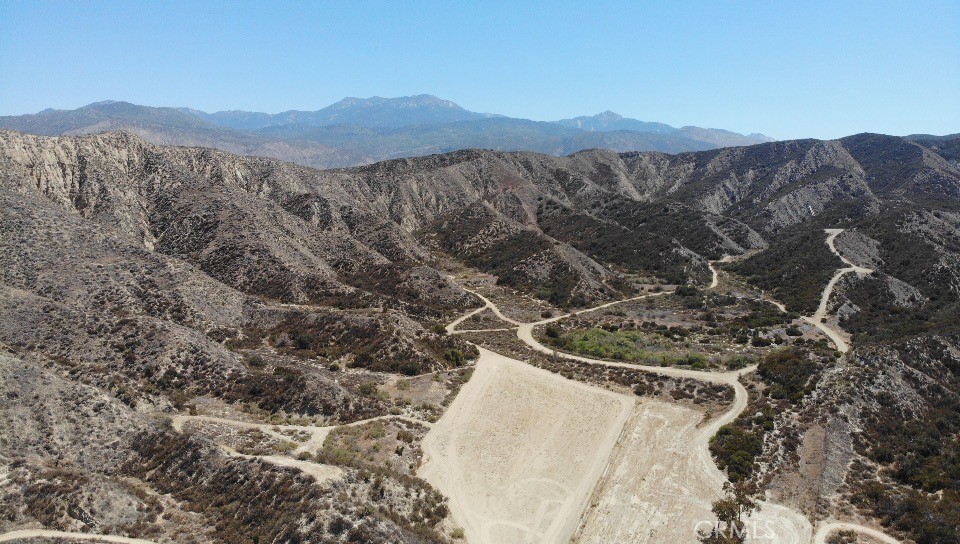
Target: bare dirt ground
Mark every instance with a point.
(827, 528)
(655, 488)
(527, 456)
(520, 450)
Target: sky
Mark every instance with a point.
(786, 69)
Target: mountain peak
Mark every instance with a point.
(608, 115)
(413, 101)
(371, 112)
(608, 121)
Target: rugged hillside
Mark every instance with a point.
(136, 281)
(144, 279)
(298, 234)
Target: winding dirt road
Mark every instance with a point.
(661, 441)
(818, 318)
(521, 451)
(43, 533)
(321, 472)
(668, 448)
(317, 434)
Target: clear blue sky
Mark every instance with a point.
(788, 69)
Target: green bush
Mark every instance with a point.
(739, 361)
(454, 356)
(788, 372)
(735, 449)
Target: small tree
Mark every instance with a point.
(731, 511)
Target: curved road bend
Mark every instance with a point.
(817, 319)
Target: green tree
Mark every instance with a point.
(731, 510)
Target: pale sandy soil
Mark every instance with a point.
(659, 486)
(311, 446)
(520, 450)
(656, 488)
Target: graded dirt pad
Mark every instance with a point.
(520, 450)
(656, 488)
(659, 487)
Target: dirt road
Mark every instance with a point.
(321, 472)
(43, 533)
(659, 481)
(826, 528)
(525, 333)
(715, 276)
(317, 434)
(819, 317)
(661, 477)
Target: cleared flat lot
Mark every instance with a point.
(656, 488)
(520, 450)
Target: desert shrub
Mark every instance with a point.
(796, 267)
(739, 361)
(788, 371)
(254, 360)
(735, 449)
(454, 356)
(688, 291)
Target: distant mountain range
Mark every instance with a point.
(357, 131)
